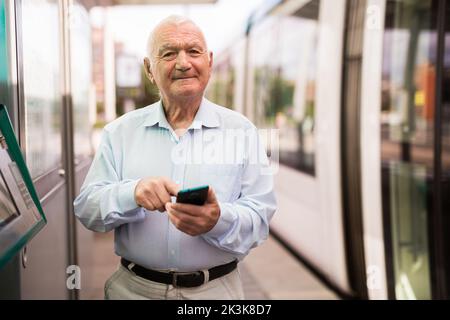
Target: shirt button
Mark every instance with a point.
(172, 252)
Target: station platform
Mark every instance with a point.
(269, 272)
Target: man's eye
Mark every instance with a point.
(169, 55)
(194, 52)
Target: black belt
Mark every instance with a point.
(180, 279)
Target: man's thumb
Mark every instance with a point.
(172, 188)
(211, 196)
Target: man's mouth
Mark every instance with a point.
(182, 78)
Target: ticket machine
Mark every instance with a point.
(21, 215)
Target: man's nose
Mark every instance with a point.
(183, 63)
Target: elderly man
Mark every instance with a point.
(174, 250)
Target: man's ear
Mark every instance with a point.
(148, 69)
(210, 59)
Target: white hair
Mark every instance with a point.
(170, 20)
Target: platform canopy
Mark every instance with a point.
(106, 3)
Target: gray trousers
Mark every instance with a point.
(124, 284)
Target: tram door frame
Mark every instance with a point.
(55, 187)
(350, 142)
(439, 227)
(377, 224)
(9, 274)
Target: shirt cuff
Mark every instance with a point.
(224, 223)
(127, 200)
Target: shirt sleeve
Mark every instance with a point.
(244, 223)
(105, 201)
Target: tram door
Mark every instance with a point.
(35, 58)
(414, 135)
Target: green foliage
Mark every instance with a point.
(99, 124)
(274, 92)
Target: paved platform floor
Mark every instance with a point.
(268, 272)
(273, 273)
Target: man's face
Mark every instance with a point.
(181, 67)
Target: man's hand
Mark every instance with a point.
(154, 193)
(195, 220)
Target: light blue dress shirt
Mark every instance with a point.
(142, 144)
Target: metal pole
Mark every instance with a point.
(68, 147)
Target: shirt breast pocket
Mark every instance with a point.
(225, 179)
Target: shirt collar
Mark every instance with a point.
(205, 116)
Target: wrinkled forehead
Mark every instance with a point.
(178, 36)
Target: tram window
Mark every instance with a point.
(264, 59)
(446, 104)
(285, 82)
(222, 83)
(81, 78)
(41, 83)
(407, 139)
(445, 157)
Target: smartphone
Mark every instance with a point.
(195, 196)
